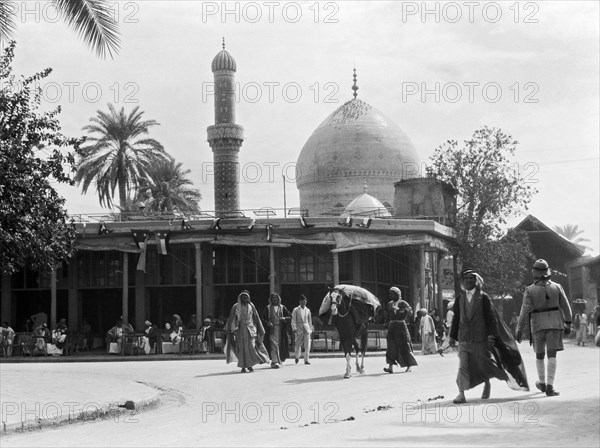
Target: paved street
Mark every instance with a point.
(209, 403)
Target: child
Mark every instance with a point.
(205, 335)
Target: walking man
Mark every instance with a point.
(475, 328)
(276, 318)
(245, 334)
(302, 326)
(547, 310)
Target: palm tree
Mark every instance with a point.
(92, 20)
(166, 188)
(114, 155)
(572, 232)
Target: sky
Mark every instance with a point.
(440, 70)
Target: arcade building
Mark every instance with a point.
(373, 226)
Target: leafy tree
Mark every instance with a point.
(92, 20)
(34, 227)
(170, 189)
(503, 262)
(489, 191)
(117, 155)
(572, 232)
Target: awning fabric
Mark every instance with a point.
(340, 241)
(105, 243)
(356, 241)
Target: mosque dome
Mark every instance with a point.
(223, 61)
(354, 146)
(367, 206)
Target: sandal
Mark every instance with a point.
(460, 399)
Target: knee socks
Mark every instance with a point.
(551, 371)
(541, 370)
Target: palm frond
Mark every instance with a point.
(93, 21)
(114, 158)
(8, 10)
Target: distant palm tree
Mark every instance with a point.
(93, 20)
(114, 155)
(166, 188)
(572, 232)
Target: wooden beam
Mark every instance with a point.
(198, 273)
(440, 278)
(53, 299)
(422, 275)
(6, 300)
(125, 286)
(336, 268)
(272, 273)
(74, 312)
(356, 268)
(140, 298)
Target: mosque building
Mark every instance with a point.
(355, 145)
(374, 226)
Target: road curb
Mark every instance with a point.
(123, 410)
(146, 358)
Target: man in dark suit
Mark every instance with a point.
(475, 328)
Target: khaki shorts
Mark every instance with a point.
(547, 339)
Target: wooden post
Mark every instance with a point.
(440, 278)
(140, 298)
(125, 286)
(422, 275)
(456, 275)
(74, 312)
(356, 268)
(53, 299)
(272, 269)
(6, 307)
(336, 268)
(199, 307)
(208, 289)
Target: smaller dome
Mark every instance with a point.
(367, 206)
(223, 61)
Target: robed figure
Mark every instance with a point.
(245, 335)
(486, 347)
(276, 319)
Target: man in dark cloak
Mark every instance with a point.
(481, 333)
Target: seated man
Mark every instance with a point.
(127, 327)
(176, 329)
(149, 340)
(58, 339)
(40, 333)
(115, 334)
(59, 335)
(86, 333)
(7, 336)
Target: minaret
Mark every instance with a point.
(225, 137)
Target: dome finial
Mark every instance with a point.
(223, 42)
(365, 188)
(355, 87)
